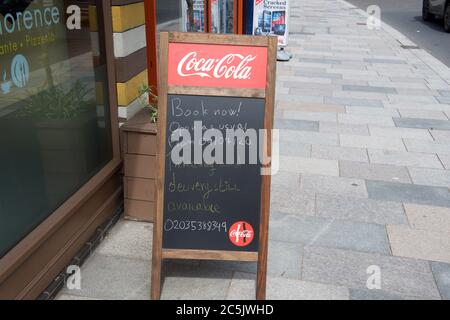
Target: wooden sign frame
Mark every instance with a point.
(164, 90)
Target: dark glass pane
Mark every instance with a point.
(54, 122)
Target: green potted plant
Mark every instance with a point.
(64, 120)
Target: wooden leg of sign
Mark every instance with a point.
(263, 241)
(155, 293)
(261, 277)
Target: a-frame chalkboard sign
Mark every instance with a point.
(213, 210)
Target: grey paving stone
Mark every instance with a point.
(384, 172)
(397, 132)
(423, 114)
(288, 148)
(445, 100)
(445, 159)
(369, 89)
(349, 268)
(327, 232)
(379, 120)
(243, 288)
(389, 61)
(318, 74)
(363, 210)
(309, 165)
(402, 192)
(331, 127)
(310, 116)
(411, 98)
(426, 146)
(374, 294)
(303, 125)
(317, 60)
(339, 153)
(313, 184)
(404, 158)
(116, 278)
(354, 102)
(285, 180)
(373, 111)
(284, 259)
(422, 123)
(309, 137)
(441, 273)
(185, 282)
(444, 93)
(291, 201)
(441, 136)
(372, 142)
(430, 177)
(130, 239)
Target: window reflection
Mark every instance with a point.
(54, 119)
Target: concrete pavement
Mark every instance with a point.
(364, 183)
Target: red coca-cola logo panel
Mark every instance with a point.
(217, 66)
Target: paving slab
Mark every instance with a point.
(441, 273)
(364, 170)
(309, 165)
(396, 132)
(353, 102)
(288, 148)
(291, 201)
(314, 184)
(428, 217)
(329, 232)
(442, 136)
(445, 159)
(129, 239)
(363, 210)
(349, 269)
(303, 125)
(310, 107)
(309, 137)
(285, 180)
(419, 244)
(339, 153)
(399, 158)
(310, 116)
(414, 145)
(423, 114)
(371, 119)
(402, 192)
(369, 89)
(243, 287)
(422, 123)
(430, 177)
(372, 142)
(114, 278)
(355, 129)
(185, 282)
(374, 294)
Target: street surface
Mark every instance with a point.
(406, 17)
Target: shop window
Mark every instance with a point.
(55, 131)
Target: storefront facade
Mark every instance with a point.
(70, 73)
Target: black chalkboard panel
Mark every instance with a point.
(203, 201)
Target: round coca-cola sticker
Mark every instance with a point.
(241, 233)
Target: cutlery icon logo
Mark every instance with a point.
(20, 71)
